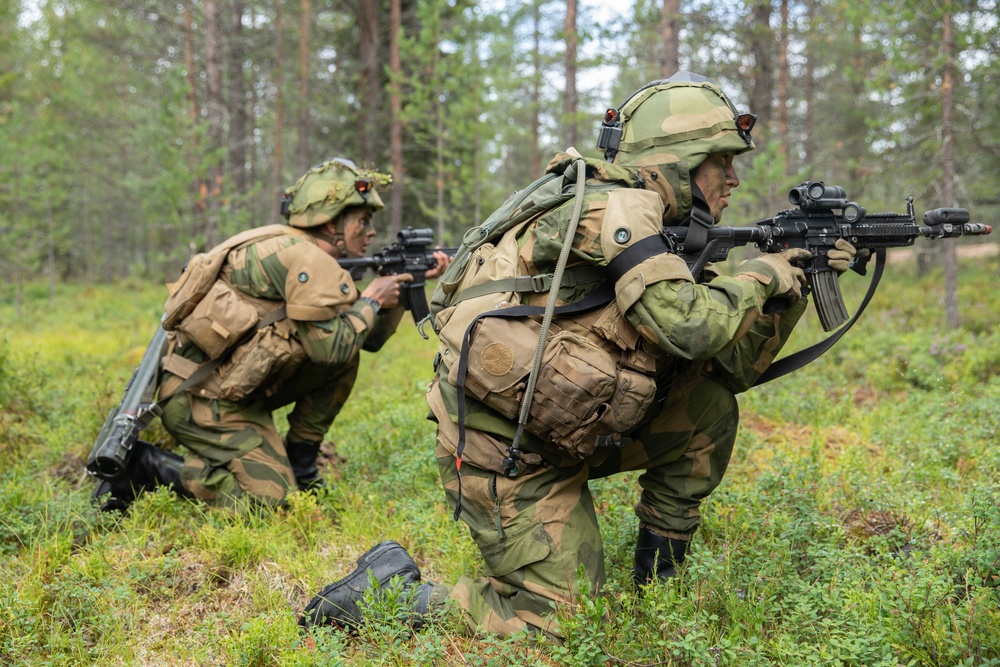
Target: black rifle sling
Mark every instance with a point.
(799, 359)
(599, 297)
(637, 253)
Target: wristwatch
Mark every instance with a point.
(372, 302)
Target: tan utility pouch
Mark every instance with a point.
(575, 383)
(219, 320)
(195, 282)
(582, 391)
(500, 355)
(256, 362)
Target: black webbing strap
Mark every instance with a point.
(599, 297)
(637, 253)
(796, 361)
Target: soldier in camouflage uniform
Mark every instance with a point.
(697, 340)
(308, 356)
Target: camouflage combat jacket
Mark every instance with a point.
(325, 322)
(670, 322)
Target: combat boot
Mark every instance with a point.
(337, 604)
(656, 557)
(302, 457)
(148, 468)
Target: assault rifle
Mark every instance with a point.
(109, 456)
(821, 216)
(411, 253)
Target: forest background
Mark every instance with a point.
(135, 132)
(858, 521)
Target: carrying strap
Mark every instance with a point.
(538, 284)
(580, 169)
(799, 359)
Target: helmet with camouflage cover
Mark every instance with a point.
(683, 118)
(328, 189)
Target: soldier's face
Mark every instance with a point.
(716, 177)
(358, 230)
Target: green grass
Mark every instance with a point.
(858, 524)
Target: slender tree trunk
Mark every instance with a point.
(216, 119)
(439, 107)
(368, 51)
(761, 39)
(571, 100)
(536, 89)
(396, 122)
(856, 121)
(948, 167)
(50, 244)
(279, 107)
(783, 84)
(305, 20)
(809, 92)
(238, 121)
(192, 146)
(670, 38)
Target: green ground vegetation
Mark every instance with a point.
(859, 522)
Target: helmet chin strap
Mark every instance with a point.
(336, 239)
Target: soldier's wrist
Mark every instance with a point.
(376, 306)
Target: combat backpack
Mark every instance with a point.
(206, 310)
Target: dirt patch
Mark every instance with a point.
(964, 251)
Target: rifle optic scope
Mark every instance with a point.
(817, 195)
(412, 236)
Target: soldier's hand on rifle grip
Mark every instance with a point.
(839, 259)
(441, 262)
(778, 272)
(385, 289)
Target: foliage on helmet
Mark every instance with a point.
(684, 118)
(327, 189)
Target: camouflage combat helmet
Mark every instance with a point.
(329, 188)
(683, 118)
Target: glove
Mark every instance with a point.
(777, 271)
(840, 259)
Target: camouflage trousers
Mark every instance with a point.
(535, 531)
(235, 450)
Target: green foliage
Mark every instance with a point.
(856, 524)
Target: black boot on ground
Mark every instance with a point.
(302, 457)
(148, 468)
(656, 557)
(337, 604)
